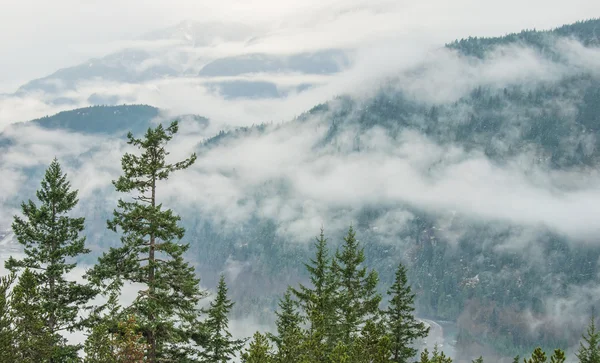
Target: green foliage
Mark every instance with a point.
(7, 336)
(436, 356)
(50, 237)
(166, 308)
(357, 300)
(34, 342)
(289, 339)
(401, 324)
(589, 349)
(259, 350)
(319, 301)
(538, 356)
(220, 347)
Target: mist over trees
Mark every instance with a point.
(340, 300)
(338, 317)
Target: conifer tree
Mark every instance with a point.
(538, 356)
(220, 346)
(339, 354)
(289, 338)
(358, 300)
(558, 356)
(437, 356)
(373, 345)
(402, 326)
(319, 301)
(150, 254)
(7, 336)
(33, 340)
(259, 350)
(590, 351)
(50, 237)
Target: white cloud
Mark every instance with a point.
(67, 32)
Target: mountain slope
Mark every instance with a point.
(476, 168)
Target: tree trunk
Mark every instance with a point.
(151, 333)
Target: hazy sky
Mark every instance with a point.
(37, 37)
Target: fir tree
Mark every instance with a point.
(538, 356)
(7, 335)
(402, 326)
(558, 356)
(149, 255)
(358, 300)
(373, 345)
(33, 340)
(590, 351)
(220, 347)
(50, 237)
(289, 338)
(259, 350)
(318, 302)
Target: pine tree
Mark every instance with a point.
(50, 237)
(220, 347)
(259, 350)
(358, 300)
(538, 356)
(436, 356)
(402, 326)
(289, 338)
(33, 340)
(318, 302)
(166, 307)
(591, 352)
(7, 335)
(478, 360)
(373, 345)
(558, 356)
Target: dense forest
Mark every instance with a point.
(339, 316)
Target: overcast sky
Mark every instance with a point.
(37, 36)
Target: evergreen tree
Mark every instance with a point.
(7, 335)
(402, 326)
(436, 356)
(289, 338)
(149, 255)
(50, 237)
(538, 356)
(358, 300)
(339, 354)
(34, 342)
(558, 356)
(590, 351)
(373, 345)
(259, 350)
(478, 360)
(220, 347)
(318, 302)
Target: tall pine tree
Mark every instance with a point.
(590, 351)
(150, 253)
(50, 237)
(259, 350)
(289, 337)
(7, 335)
(318, 302)
(220, 347)
(32, 338)
(402, 327)
(358, 299)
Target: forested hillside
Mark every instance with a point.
(514, 116)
